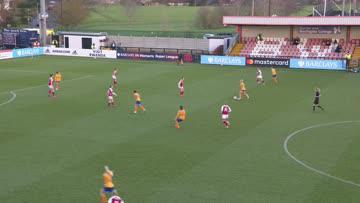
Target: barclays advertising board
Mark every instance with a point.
(28, 52)
(223, 60)
(318, 64)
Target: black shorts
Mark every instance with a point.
(274, 76)
(316, 101)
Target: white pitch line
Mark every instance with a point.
(285, 145)
(33, 87)
(22, 71)
(10, 100)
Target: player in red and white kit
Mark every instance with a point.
(51, 91)
(110, 95)
(114, 77)
(225, 112)
(181, 86)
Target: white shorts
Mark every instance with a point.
(114, 77)
(51, 87)
(225, 116)
(259, 77)
(182, 89)
(110, 98)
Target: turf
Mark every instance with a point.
(54, 150)
(161, 21)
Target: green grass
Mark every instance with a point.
(147, 21)
(54, 150)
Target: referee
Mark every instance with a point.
(317, 100)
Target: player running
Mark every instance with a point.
(225, 112)
(274, 75)
(317, 100)
(180, 117)
(109, 187)
(110, 95)
(58, 79)
(259, 77)
(114, 77)
(243, 91)
(138, 103)
(51, 91)
(181, 86)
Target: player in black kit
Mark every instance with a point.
(317, 99)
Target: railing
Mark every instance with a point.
(233, 42)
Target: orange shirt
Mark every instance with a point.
(58, 77)
(181, 115)
(242, 86)
(108, 182)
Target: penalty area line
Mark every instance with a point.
(286, 149)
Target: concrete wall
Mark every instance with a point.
(161, 42)
(269, 31)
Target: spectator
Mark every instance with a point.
(335, 42)
(338, 48)
(55, 43)
(348, 58)
(181, 59)
(328, 42)
(259, 37)
(113, 45)
(296, 41)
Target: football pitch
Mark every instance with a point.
(277, 149)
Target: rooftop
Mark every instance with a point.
(285, 21)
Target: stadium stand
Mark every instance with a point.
(307, 48)
(296, 37)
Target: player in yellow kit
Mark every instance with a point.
(243, 91)
(58, 78)
(274, 75)
(138, 103)
(180, 117)
(109, 187)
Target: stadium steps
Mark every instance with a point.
(356, 54)
(237, 49)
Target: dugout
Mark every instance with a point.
(82, 40)
(330, 27)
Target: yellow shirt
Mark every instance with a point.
(181, 115)
(137, 97)
(242, 86)
(108, 180)
(273, 71)
(58, 77)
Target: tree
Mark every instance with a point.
(72, 12)
(130, 7)
(7, 14)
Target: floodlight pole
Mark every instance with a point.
(269, 8)
(325, 7)
(253, 8)
(42, 18)
(350, 7)
(343, 8)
